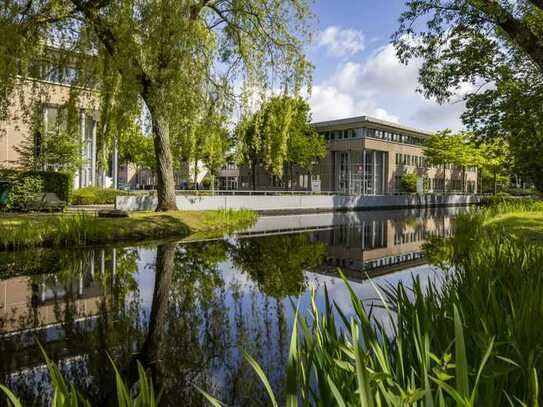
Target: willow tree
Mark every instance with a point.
(163, 50)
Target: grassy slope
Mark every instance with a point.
(75, 230)
(521, 223)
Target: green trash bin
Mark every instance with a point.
(4, 193)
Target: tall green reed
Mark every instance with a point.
(471, 337)
(66, 394)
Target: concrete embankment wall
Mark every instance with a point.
(307, 203)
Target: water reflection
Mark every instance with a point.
(185, 311)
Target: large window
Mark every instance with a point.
(360, 172)
(361, 132)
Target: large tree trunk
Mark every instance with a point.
(163, 154)
(149, 355)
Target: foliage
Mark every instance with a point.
(491, 53)
(24, 192)
(408, 182)
(135, 147)
(65, 394)
(26, 185)
(279, 135)
(465, 150)
(95, 196)
(169, 56)
(446, 148)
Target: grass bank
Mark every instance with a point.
(26, 231)
(522, 219)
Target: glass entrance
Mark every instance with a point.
(360, 172)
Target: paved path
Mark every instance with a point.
(90, 209)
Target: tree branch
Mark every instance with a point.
(519, 33)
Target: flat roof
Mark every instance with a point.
(371, 120)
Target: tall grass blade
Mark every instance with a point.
(256, 367)
(462, 381)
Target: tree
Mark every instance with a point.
(57, 147)
(447, 149)
(135, 147)
(163, 51)
(304, 144)
(279, 135)
(214, 152)
(493, 52)
(496, 159)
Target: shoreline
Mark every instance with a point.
(26, 231)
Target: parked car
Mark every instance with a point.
(123, 187)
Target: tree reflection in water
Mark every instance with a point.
(85, 305)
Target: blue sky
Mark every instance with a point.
(357, 72)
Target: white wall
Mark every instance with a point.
(295, 202)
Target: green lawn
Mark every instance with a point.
(528, 224)
(21, 231)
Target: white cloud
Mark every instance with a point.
(383, 87)
(328, 103)
(341, 42)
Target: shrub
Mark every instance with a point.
(57, 182)
(95, 196)
(23, 192)
(408, 183)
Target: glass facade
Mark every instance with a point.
(366, 132)
(360, 172)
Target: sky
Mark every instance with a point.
(357, 72)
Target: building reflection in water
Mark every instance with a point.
(380, 246)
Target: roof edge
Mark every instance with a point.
(369, 119)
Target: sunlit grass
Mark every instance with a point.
(19, 232)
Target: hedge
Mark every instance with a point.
(95, 196)
(58, 182)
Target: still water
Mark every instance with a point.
(186, 309)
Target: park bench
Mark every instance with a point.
(46, 201)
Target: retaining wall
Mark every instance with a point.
(307, 203)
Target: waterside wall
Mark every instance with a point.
(297, 203)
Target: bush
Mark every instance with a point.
(522, 192)
(23, 192)
(95, 196)
(28, 182)
(408, 183)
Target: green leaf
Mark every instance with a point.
(462, 381)
(11, 397)
(261, 375)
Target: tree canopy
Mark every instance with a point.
(279, 135)
(168, 54)
(465, 150)
(491, 54)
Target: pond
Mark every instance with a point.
(186, 309)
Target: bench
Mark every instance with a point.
(46, 201)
